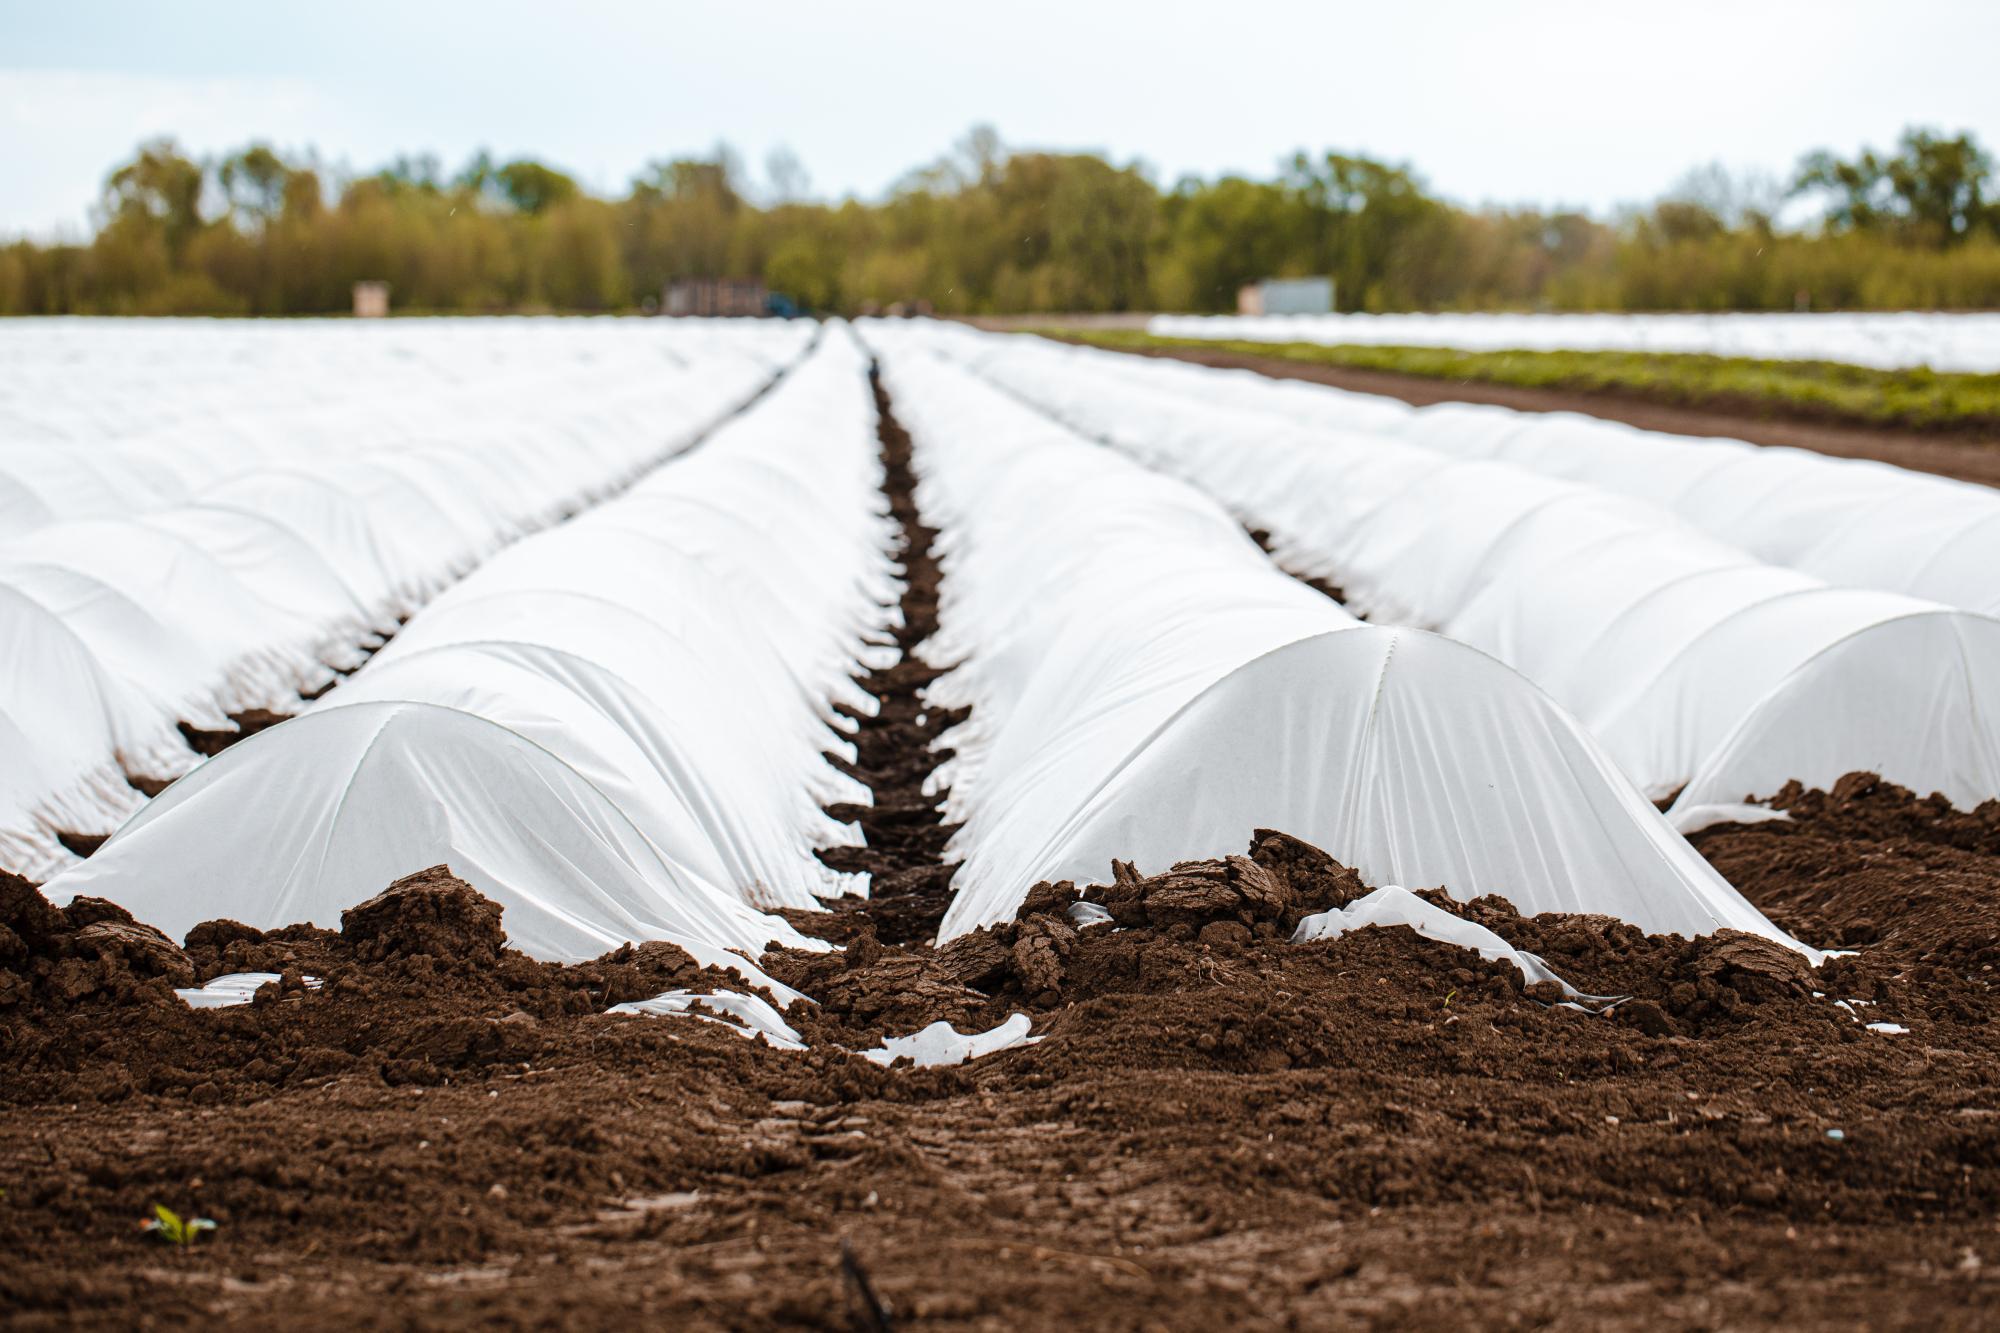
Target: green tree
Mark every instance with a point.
(1933, 189)
(686, 217)
(253, 184)
(985, 229)
(158, 191)
(533, 187)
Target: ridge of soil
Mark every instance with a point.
(1218, 1127)
(1973, 460)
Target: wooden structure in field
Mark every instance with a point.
(371, 300)
(717, 297)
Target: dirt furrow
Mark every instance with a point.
(1330, 590)
(905, 829)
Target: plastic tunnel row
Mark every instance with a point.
(230, 559)
(1887, 340)
(1701, 668)
(102, 419)
(1849, 521)
(627, 727)
(1143, 684)
(616, 729)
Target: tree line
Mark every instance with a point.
(985, 230)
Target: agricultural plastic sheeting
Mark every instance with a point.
(616, 729)
(1665, 642)
(1145, 685)
(152, 672)
(242, 651)
(771, 537)
(233, 547)
(1921, 701)
(748, 1015)
(43, 483)
(120, 414)
(942, 1044)
(21, 506)
(595, 722)
(233, 989)
(310, 818)
(54, 778)
(1848, 521)
(1845, 520)
(1393, 905)
(1886, 340)
(288, 579)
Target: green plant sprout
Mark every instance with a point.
(172, 1228)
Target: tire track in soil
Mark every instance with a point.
(904, 830)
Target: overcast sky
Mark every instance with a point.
(1592, 104)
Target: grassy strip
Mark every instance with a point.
(1818, 390)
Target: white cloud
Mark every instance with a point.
(62, 131)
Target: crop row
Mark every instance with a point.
(1724, 618)
(176, 552)
(632, 724)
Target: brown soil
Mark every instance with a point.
(1976, 460)
(904, 830)
(1219, 1127)
(1909, 884)
(208, 744)
(1318, 585)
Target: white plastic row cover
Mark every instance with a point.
(1886, 340)
(615, 729)
(1701, 668)
(1145, 685)
(100, 418)
(1846, 520)
(1852, 522)
(236, 560)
